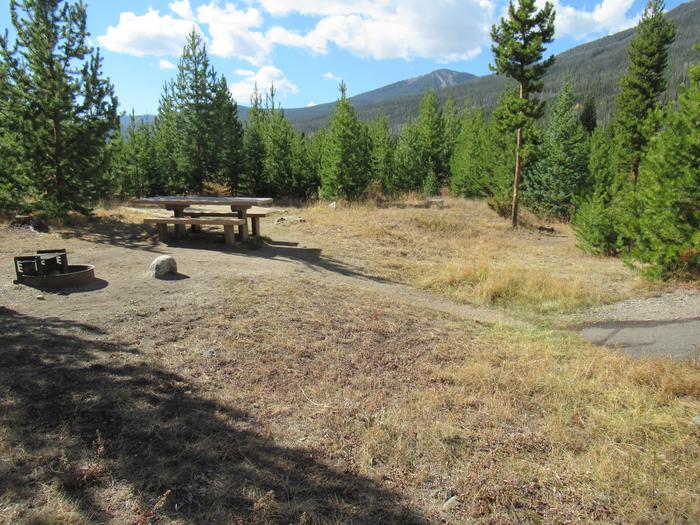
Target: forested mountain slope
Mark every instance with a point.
(595, 68)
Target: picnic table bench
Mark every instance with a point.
(253, 214)
(178, 204)
(228, 224)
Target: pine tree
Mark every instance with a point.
(640, 90)
(193, 94)
(382, 154)
(138, 161)
(166, 145)
(431, 137)
(475, 156)
(345, 170)
(254, 146)
(64, 110)
(277, 139)
(589, 116)
(596, 218)
(412, 165)
(228, 138)
(670, 191)
(560, 173)
(452, 119)
(304, 180)
(14, 185)
(518, 45)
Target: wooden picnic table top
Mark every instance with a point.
(195, 200)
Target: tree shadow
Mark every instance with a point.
(107, 230)
(312, 258)
(112, 231)
(87, 413)
(283, 251)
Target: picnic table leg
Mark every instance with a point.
(162, 232)
(255, 223)
(243, 227)
(229, 236)
(180, 229)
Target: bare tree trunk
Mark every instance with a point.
(518, 162)
(516, 181)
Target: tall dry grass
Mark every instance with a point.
(467, 252)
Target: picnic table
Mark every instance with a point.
(238, 205)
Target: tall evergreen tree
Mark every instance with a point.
(63, 109)
(14, 185)
(560, 173)
(518, 47)
(589, 114)
(194, 89)
(453, 122)
(277, 139)
(670, 191)
(476, 158)
(228, 137)
(431, 137)
(640, 89)
(139, 161)
(254, 146)
(412, 166)
(304, 177)
(382, 153)
(345, 170)
(596, 218)
(166, 145)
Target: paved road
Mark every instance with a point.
(677, 338)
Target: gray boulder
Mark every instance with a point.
(162, 267)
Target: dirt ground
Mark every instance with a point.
(291, 382)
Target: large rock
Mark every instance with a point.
(162, 267)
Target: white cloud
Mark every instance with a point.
(607, 17)
(149, 34)
(445, 30)
(231, 34)
(331, 76)
(264, 78)
(182, 8)
(166, 64)
(244, 72)
(311, 104)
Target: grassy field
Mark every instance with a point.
(465, 251)
(302, 400)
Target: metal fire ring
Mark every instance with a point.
(76, 275)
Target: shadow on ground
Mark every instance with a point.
(282, 251)
(113, 231)
(85, 414)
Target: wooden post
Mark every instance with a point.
(162, 232)
(243, 227)
(180, 229)
(229, 235)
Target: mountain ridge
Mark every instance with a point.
(595, 68)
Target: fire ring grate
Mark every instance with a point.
(50, 269)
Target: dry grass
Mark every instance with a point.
(300, 401)
(467, 252)
(521, 425)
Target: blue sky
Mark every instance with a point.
(306, 46)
